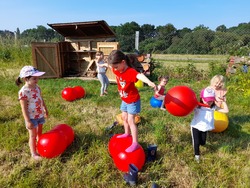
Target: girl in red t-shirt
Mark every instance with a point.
(126, 77)
(160, 91)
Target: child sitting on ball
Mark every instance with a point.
(218, 84)
(160, 91)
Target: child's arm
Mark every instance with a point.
(103, 65)
(26, 117)
(221, 95)
(143, 78)
(46, 113)
(224, 108)
(157, 92)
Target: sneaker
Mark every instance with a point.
(197, 158)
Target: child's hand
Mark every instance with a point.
(221, 99)
(46, 114)
(30, 125)
(151, 84)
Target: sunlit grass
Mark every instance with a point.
(86, 162)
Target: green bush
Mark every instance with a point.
(185, 73)
(16, 55)
(239, 83)
(5, 54)
(217, 68)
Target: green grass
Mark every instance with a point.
(86, 162)
(201, 62)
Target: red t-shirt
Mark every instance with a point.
(126, 85)
(161, 91)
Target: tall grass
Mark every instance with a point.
(86, 162)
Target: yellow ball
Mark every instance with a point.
(220, 122)
(139, 84)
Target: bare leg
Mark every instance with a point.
(162, 104)
(32, 143)
(39, 131)
(126, 125)
(134, 132)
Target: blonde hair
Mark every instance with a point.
(219, 78)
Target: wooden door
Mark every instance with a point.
(106, 48)
(46, 57)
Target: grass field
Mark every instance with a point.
(87, 163)
(200, 61)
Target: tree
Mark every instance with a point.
(197, 42)
(147, 31)
(223, 42)
(200, 27)
(165, 35)
(221, 28)
(126, 35)
(40, 34)
(182, 32)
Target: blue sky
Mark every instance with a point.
(28, 14)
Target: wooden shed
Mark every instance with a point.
(75, 55)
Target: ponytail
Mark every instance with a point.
(18, 81)
(116, 56)
(128, 61)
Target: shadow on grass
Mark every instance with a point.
(233, 137)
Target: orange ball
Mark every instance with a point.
(220, 122)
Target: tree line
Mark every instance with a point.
(161, 39)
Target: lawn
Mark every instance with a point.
(200, 61)
(87, 163)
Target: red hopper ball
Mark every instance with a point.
(51, 144)
(68, 94)
(123, 159)
(118, 144)
(180, 101)
(67, 131)
(79, 92)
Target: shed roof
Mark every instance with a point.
(90, 29)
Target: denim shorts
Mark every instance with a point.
(37, 122)
(132, 108)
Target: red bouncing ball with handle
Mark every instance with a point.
(180, 101)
